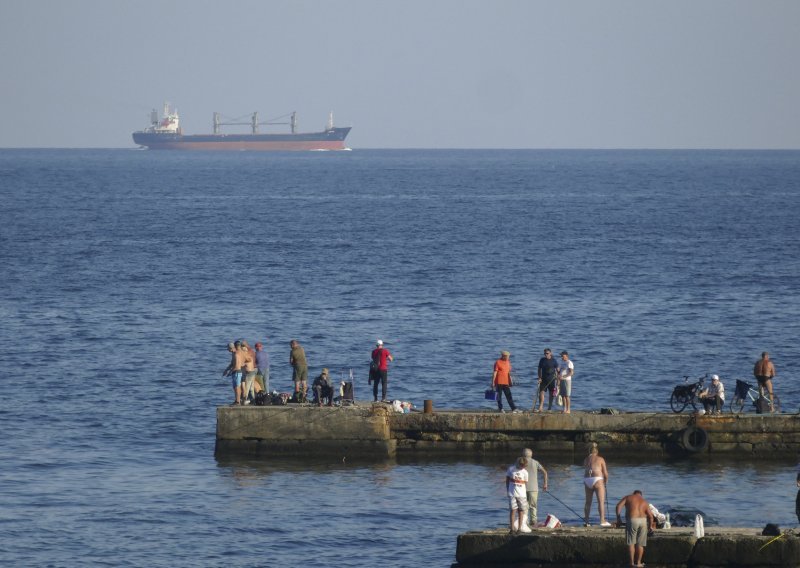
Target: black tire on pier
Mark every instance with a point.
(694, 439)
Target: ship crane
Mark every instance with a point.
(254, 123)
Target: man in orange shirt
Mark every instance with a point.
(501, 381)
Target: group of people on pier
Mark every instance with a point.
(554, 379)
(522, 488)
(249, 373)
(641, 518)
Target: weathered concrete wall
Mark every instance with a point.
(598, 547)
(300, 430)
(658, 433)
(375, 430)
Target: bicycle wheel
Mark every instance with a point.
(737, 404)
(677, 402)
(776, 403)
(693, 400)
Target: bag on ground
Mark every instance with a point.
(552, 522)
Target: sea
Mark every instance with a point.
(125, 273)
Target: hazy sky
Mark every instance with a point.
(430, 73)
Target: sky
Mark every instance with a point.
(411, 73)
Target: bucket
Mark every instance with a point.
(427, 407)
(552, 522)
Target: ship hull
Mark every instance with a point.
(332, 139)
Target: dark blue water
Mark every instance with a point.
(125, 273)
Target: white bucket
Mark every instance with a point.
(552, 522)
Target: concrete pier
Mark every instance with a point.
(375, 430)
(597, 547)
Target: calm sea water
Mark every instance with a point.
(125, 273)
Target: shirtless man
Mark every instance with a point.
(638, 520)
(764, 372)
(234, 370)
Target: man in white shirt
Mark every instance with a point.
(714, 396)
(565, 372)
(516, 481)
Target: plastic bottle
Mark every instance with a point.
(667, 525)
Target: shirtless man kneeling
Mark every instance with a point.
(638, 519)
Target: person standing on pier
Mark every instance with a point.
(532, 486)
(501, 381)
(516, 479)
(566, 369)
(548, 375)
(249, 370)
(380, 359)
(764, 372)
(595, 481)
(297, 359)
(234, 370)
(262, 364)
(639, 521)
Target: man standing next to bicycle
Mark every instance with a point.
(713, 396)
(764, 372)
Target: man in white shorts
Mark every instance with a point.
(516, 481)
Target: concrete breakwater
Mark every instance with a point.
(374, 430)
(598, 547)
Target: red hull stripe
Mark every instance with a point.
(283, 145)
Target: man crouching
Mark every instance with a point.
(638, 520)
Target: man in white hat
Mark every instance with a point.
(713, 396)
(379, 370)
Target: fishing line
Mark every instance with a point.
(578, 515)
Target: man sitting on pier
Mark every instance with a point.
(323, 388)
(639, 520)
(713, 396)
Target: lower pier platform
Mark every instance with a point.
(596, 547)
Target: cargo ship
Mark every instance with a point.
(164, 133)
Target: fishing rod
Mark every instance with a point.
(578, 515)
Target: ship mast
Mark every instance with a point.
(253, 123)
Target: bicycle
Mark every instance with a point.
(761, 403)
(686, 394)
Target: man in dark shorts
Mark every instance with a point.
(764, 372)
(639, 521)
(548, 372)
